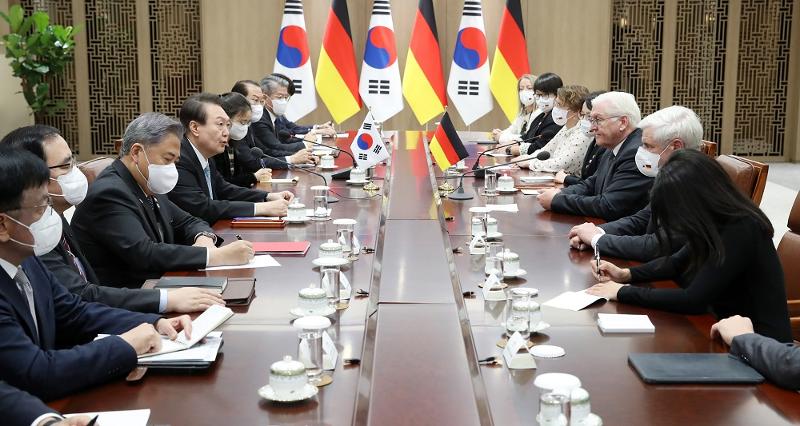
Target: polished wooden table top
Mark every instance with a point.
(419, 339)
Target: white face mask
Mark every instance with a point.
(560, 116)
(163, 177)
(647, 162)
(586, 127)
(73, 186)
(279, 106)
(46, 232)
(545, 103)
(526, 97)
(258, 111)
(238, 131)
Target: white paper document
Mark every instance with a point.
(206, 351)
(510, 208)
(342, 135)
(624, 323)
(497, 154)
(118, 418)
(531, 192)
(259, 261)
(207, 322)
(536, 179)
(572, 300)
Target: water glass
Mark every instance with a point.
(490, 183)
(329, 280)
(494, 258)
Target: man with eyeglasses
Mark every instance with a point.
(67, 187)
(47, 332)
(617, 189)
(265, 131)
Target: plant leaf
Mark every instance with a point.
(41, 20)
(15, 16)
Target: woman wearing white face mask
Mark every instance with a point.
(527, 111)
(569, 145)
(240, 112)
(593, 153)
(541, 128)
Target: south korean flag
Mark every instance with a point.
(367, 147)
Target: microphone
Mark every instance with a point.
(258, 152)
(459, 193)
(284, 134)
(478, 160)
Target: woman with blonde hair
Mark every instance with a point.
(527, 111)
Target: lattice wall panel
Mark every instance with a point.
(700, 50)
(763, 77)
(113, 76)
(175, 53)
(62, 87)
(636, 50)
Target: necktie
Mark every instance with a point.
(75, 260)
(207, 172)
(24, 286)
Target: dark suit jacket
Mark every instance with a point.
(60, 264)
(61, 358)
(543, 128)
(191, 192)
(631, 237)
(19, 408)
(118, 232)
(589, 166)
(617, 189)
(223, 163)
(245, 162)
(282, 123)
(778, 362)
(266, 136)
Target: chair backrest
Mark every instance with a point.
(789, 254)
(117, 145)
(749, 176)
(92, 168)
(708, 148)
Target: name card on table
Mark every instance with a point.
(514, 358)
(510, 208)
(330, 355)
(492, 288)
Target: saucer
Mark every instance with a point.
(550, 381)
(520, 273)
(303, 220)
(309, 391)
(300, 312)
(357, 182)
(327, 168)
(330, 261)
(541, 327)
(507, 191)
(547, 351)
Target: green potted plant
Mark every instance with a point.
(38, 51)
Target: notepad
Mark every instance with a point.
(118, 418)
(536, 179)
(209, 320)
(624, 323)
(205, 351)
(282, 247)
(258, 261)
(215, 283)
(572, 300)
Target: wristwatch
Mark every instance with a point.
(206, 234)
(508, 150)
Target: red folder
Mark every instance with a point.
(299, 248)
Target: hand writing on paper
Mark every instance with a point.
(610, 272)
(608, 290)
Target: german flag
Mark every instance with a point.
(423, 80)
(446, 146)
(337, 79)
(510, 59)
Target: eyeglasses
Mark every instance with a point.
(594, 121)
(281, 97)
(40, 209)
(73, 161)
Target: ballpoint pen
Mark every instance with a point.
(597, 260)
(93, 421)
(238, 237)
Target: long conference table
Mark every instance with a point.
(418, 338)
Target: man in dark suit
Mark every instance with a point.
(634, 237)
(266, 134)
(201, 190)
(128, 228)
(618, 188)
(47, 331)
(778, 362)
(20, 408)
(283, 123)
(67, 186)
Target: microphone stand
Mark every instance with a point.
(331, 199)
(460, 195)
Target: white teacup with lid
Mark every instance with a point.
(313, 300)
(358, 175)
(330, 249)
(287, 378)
(296, 211)
(510, 262)
(327, 162)
(505, 183)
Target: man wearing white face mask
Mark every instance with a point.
(47, 331)
(128, 228)
(201, 191)
(634, 237)
(68, 187)
(283, 123)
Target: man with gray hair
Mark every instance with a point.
(276, 97)
(617, 189)
(128, 228)
(633, 237)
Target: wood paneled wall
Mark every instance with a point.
(572, 39)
